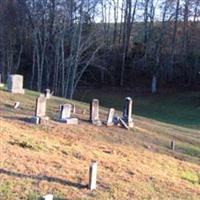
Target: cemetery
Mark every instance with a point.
(54, 148)
(99, 100)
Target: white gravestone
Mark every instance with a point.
(15, 84)
(92, 176)
(65, 115)
(65, 111)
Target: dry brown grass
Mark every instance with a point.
(55, 158)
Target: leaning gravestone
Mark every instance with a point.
(94, 112)
(127, 112)
(65, 114)
(15, 84)
(40, 110)
(110, 119)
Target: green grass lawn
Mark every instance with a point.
(180, 109)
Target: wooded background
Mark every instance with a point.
(62, 44)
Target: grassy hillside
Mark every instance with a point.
(54, 158)
(181, 109)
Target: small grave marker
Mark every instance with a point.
(92, 175)
(16, 105)
(173, 144)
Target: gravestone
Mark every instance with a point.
(92, 175)
(48, 93)
(110, 118)
(65, 111)
(15, 84)
(65, 115)
(127, 112)
(40, 110)
(123, 124)
(94, 112)
(173, 145)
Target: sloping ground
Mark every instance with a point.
(54, 158)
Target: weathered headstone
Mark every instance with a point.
(65, 115)
(123, 123)
(65, 111)
(48, 93)
(94, 112)
(15, 84)
(40, 110)
(110, 118)
(127, 112)
(92, 175)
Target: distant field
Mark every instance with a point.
(178, 109)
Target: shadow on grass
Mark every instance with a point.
(44, 178)
(23, 119)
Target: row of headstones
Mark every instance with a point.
(126, 120)
(66, 110)
(15, 85)
(40, 111)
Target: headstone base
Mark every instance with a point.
(70, 121)
(129, 123)
(35, 120)
(97, 122)
(22, 91)
(39, 120)
(109, 124)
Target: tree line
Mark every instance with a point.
(61, 44)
